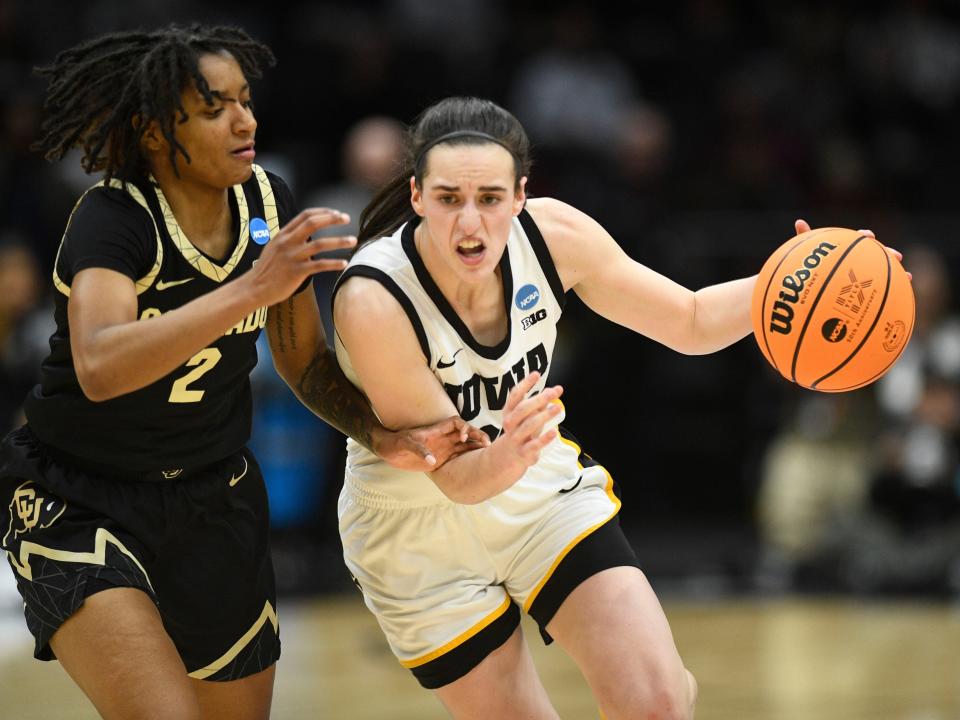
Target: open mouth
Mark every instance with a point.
(470, 249)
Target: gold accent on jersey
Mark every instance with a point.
(257, 320)
(97, 557)
(163, 285)
(143, 283)
(461, 638)
(202, 363)
(203, 264)
(269, 201)
(268, 614)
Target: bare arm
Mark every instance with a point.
(387, 358)
(115, 353)
(620, 289)
(310, 368)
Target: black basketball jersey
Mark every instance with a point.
(202, 411)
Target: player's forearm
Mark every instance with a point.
(327, 392)
(120, 359)
(479, 475)
(721, 316)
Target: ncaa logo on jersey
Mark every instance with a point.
(259, 231)
(29, 510)
(527, 297)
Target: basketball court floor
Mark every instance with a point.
(755, 659)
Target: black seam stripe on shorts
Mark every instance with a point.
(604, 548)
(456, 663)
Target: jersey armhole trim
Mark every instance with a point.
(144, 283)
(393, 288)
(542, 252)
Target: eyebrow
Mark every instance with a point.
(482, 188)
(218, 94)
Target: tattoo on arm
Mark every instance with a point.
(278, 311)
(286, 327)
(327, 392)
(293, 326)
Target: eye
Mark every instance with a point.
(214, 113)
(248, 104)
(447, 199)
(490, 199)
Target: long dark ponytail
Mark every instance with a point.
(456, 121)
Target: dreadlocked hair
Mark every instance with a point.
(103, 94)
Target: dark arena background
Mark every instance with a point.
(806, 546)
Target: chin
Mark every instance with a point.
(234, 176)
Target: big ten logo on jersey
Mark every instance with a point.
(490, 393)
(257, 320)
(531, 320)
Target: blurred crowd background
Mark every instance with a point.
(695, 132)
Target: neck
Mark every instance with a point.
(462, 296)
(203, 212)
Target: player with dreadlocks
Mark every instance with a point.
(137, 526)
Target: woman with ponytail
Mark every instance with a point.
(451, 304)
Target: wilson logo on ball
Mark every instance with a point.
(781, 316)
(841, 318)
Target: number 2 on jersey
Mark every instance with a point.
(204, 362)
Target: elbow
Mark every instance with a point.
(695, 347)
(458, 496)
(94, 383)
(97, 380)
(689, 343)
(288, 373)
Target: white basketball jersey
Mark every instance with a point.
(477, 377)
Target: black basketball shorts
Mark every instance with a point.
(198, 545)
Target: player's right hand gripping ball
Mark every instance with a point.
(832, 309)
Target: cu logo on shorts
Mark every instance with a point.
(527, 297)
(29, 510)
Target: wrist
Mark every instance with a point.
(506, 459)
(378, 439)
(252, 289)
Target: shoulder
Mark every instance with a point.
(558, 221)
(365, 303)
(272, 190)
(102, 208)
(577, 243)
(277, 183)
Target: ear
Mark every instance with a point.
(416, 197)
(152, 140)
(521, 197)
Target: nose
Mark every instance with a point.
(244, 123)
(469, 218)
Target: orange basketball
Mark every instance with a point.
(832, 310)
